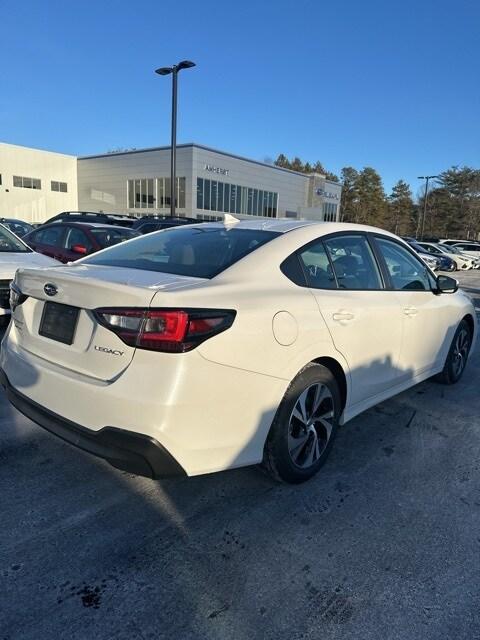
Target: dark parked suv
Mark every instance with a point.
(147, 224)
(68, 241)
(118, 219)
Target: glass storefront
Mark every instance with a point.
(154, 193)
(213, 195)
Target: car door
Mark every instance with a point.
(48, 240)
(427, 317)
(364, 318)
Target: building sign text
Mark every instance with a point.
(213, 169)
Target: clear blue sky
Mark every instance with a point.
(393, 85)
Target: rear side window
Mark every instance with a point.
(77, 236)
(317, 267)
(198, 252)
(109, 237)
(468, 247)
(353, 262)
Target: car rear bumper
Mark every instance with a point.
(126, 450)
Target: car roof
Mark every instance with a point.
(17, 220)
(89, 225)
(283, 225)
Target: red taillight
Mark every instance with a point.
(174, 330)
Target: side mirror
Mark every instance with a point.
(445, 284)
(79, 248)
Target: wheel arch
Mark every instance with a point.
(471, 323)
(338, 372)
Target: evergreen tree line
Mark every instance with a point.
(453, 203)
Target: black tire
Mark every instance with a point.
(457, 355)
(278, 459)
(455, 266)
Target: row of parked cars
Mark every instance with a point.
(448, 255)
(71, 235)
(66, 237)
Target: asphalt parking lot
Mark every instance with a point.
(383, 544)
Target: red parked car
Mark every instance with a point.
(68, 241)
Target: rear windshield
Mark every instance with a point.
(197, 252)
(109, 237)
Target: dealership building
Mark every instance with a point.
(36, 184)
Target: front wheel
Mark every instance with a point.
(457, 355)
(304, 427)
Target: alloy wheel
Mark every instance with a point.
(310, 426)
(460, 352)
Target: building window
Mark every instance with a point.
(208, 218)
(234, 198)
(27, 183)
(58, 186)
(200, 193)
(154, 193)
(329, 212)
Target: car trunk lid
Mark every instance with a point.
(62, 328)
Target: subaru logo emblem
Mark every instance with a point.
(50, 289)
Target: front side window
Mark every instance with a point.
(406, 271)
(317, 267)
(200, 252)
(353, 262)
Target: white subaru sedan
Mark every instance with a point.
(213, 346)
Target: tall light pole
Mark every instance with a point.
(165, 71)
(426, 178)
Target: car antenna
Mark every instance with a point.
(229, 219)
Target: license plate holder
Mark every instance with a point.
(59, 322)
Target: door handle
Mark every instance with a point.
(342, 316)
(410, 311)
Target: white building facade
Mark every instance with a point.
(36, 184)
(209, 184)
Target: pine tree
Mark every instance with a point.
(282, 161)
(400, 208)
(297, 165)
(331, 176)
(349, 198)
(318, 168)
(371, 198)
(463, 187)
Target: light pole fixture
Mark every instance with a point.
(426, 178)
(165, 71)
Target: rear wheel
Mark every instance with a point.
(304, 427)
(457, 355)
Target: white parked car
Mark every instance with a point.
(469, 248)
(14, 253)
(461, 260)
(214, 346)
